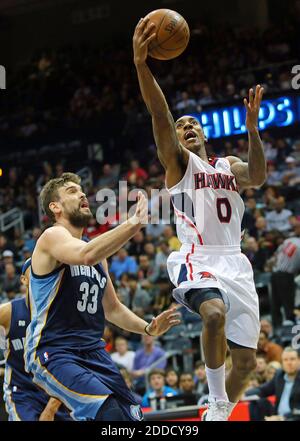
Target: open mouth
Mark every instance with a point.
(190, 135)
(84, 204)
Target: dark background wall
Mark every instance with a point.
(37, 24)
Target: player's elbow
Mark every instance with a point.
(89, 259)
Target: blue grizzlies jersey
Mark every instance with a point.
(15, 376)
(66, 310)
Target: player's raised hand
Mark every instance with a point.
(143, 35)
(140, 217)
(163, 322)
(252, 107)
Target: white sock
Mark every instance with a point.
(216, 383)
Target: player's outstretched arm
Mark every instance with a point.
(118, 314)
(5, 317)
(58, 245)
(169, 148)
(253, 173)
(50, 410)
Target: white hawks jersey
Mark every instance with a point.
(207, 204)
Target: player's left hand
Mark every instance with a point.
(252, 108)
(143, 35)
(163, 322)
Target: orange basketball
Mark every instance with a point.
(172, 34)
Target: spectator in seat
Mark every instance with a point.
(123, 263)
(7, 257)
(147, 355)
(10, 280)
(109, 177)
(150, 251)
(257, 256)
(287, 266)
(266, 326)
(261, 368)
(137, 243)
(172, 378)
(163, 299)
(187, 388)
(123, 356)
(279, 218)
(30, 243)
(136, 172)
(274, 176)
(157, 389)
(186, 105)
(271, 370)
(260, 227)
(271, 351)
(26, 253)
(200, 378)
(135, 298)
(291, 175)
(155, 228)
(160, 263)
(145, 271)
(285, 385)
(173, 241)
(186, 383)
(94, 229)
(5, 244)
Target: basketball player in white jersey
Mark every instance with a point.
(211, 275)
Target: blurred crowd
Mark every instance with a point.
(76, 87)
(271, 241)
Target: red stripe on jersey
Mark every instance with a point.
(290, 249)
(189, 263)
(190, 224)
(213, 161)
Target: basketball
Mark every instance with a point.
(172, 34)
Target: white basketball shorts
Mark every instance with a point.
(228, 269)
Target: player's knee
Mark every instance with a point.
(245, 365)
(214, 319)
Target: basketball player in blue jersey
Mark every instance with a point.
(71, 295)
(24, 401)
(212, 276)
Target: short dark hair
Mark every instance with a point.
(263, 356)
(199, 363)
(156, 372)
(49, 192)
(186, 373)
(132, 276)
(170, 369)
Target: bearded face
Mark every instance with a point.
(73, 205)
(77, 217)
